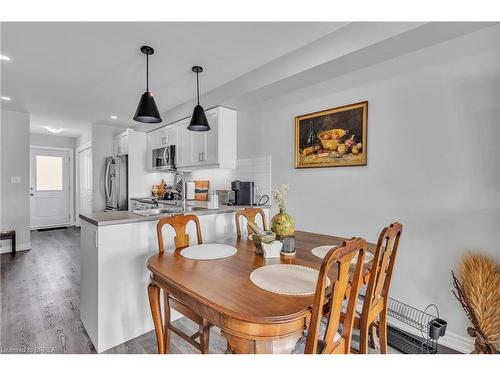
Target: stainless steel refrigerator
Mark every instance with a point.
(116, 183)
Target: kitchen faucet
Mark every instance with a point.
(182, 193)
(155, 202)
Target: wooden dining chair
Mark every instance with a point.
(181, 241)
(250, 214)
(374, 302)
(323, 335)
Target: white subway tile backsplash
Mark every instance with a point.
(251, 169)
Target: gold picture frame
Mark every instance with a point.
(335, 137)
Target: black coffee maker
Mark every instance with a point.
(244, 193)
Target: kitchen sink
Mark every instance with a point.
(166, 210)
(152, 211)
(193, 208)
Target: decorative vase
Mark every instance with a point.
(283, 224)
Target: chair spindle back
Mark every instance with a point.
(250, 214)
(341, 258)
(179, 223)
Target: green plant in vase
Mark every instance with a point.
(282, 223)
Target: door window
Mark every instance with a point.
(49, 173)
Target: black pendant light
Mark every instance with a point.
(199, 122)
(146, 110)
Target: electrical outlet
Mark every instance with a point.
(15, 180)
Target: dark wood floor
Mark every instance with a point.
(40, 305)
(40, 291)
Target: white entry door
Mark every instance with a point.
(49, 190)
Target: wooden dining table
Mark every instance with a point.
(251, 319)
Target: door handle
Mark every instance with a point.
(166, 157)
(106, 182)
(31, 194)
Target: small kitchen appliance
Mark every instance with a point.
(163, 158)
(244, 193)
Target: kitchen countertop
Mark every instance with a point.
(127, 217)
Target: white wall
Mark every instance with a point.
(14, 149)
(84, 138)
(433, 162)
(52, 140)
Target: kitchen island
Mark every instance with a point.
(114, 306)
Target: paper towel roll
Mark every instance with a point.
(190, 190)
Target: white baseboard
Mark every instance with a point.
(19, 247)
(462, 344)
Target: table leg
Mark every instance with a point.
(166, 322)
(154, 303)
(204, 331)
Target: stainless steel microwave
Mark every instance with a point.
(163, 158)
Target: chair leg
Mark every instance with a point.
(166, 323)
(363, 337)
(383, 331)
(204, 330)
(154, 303)
(374, 337)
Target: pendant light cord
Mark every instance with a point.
(198, 88)
(147, 72)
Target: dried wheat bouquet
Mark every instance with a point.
(480, 278)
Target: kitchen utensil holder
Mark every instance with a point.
(430, 328)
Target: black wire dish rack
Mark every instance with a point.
(427, 328)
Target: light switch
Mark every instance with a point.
(15, 180)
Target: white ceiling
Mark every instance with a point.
(84, 72)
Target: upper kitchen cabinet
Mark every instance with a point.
(215, 148)
(120, 143)
(157, 138)
(183, 150)
(158, 142)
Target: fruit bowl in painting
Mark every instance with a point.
(330, 139)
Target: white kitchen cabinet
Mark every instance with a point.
(158, 139)
(215, 148)
(197, 145)
(183, 149)
(211, 153)
(121, 143)
(204, 145)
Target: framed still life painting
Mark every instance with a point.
(334, 137)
